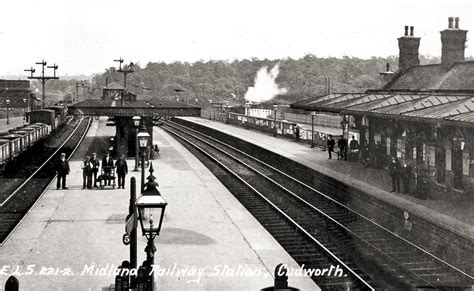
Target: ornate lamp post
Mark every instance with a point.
(143, 136)
(24, 108)
(312, 128)
(151, 210)
(8, 110)
(275, 108)
(136, 123)
(344, 124)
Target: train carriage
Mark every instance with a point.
(44, 116)
(17, 140)
(32, 133)
(24, 138)
(44, 129)
(15, 143)
(37, 131)
(4, 152)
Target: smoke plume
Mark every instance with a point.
(265, 87)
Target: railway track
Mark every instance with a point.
(18, 203)
(318, 231)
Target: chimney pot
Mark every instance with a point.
(453, 42)
(406, 30)
(411, 30)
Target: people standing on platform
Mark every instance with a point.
(342, 144)
(107, 166)
(354, 151)
(87, 173)
(330, 144)
(95, 164)
(406, 177)
(122, 170)
(62, 170)
(395, 173)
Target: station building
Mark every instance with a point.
(18, 93)
(423, 115)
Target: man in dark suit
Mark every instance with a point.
(330, 143)
(122, 170)
(342, 144)
(354, 151)
(107, 166)
(394, 169)
(87, 173)
(62, 169)
(95, 164)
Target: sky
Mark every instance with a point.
(85, 36)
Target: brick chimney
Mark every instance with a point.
(408, 45)
(387, 75)
(453, 42)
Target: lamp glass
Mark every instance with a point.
(143, 139)
(151, 210)
(136, 121)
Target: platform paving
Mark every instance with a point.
(206, 233)
(13, 123)
(454, 215)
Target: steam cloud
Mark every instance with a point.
(265, 87)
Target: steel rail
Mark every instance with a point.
(334, 201)
(279, 210)
(52, 179)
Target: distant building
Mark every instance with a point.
(17, 91)
(114, 91)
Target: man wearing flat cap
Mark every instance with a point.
(62, 169)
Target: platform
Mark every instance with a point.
(456, 215)
(14, 123)
(206, 234)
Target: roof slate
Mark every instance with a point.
(419, 106)
(434, 77)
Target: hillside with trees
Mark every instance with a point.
(199, 82)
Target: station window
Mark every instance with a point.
(440, 163)
(465, 163)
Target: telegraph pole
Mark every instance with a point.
(83, 84)
(43, 78)
(31, 70)
(125, 70)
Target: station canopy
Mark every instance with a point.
(151, 108)
(428, 107)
